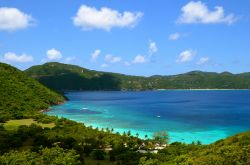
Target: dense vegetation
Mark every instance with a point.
(70, 77)
(231, 151)
(50, 140)
(22, 96)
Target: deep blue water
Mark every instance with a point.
(187, 115)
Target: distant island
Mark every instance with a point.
(61, 76)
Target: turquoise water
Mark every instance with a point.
(186, 115)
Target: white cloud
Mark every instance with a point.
(186, 56)
(104, 65)
(152, 49)
(12, 19)
(174, 36)
(12, 57)
(89, 18)
(112, 59)
(203, 60)
(139, 59)
(198, 12)
(95, 55)
(54, 54)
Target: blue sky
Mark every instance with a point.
(131, 37)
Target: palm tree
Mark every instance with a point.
(161, 137)
(129, 133)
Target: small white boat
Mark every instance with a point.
(84, 108)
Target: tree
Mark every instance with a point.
(129, 133)
(55, 155)
(161, 137)
(98, 154)
(145, 161)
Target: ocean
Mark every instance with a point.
(187, 115)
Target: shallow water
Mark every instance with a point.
(186, 115)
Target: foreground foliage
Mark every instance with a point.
(54, 155)
(233, 150)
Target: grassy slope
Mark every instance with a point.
(70, 77)
(14, 124)
(21, 96)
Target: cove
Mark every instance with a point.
(187, 115)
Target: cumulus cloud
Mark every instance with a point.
(88, 18)
(152, 49)
(12, 57)
(54, 54)
(112, 59)
(139, 59)
(198, 12)
(203, 60)
(95, 55)
(186, 56)
(12, 19)
(174, 36)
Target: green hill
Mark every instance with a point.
(230, 151)
(70, 77)
(20, 95)
(233, 150)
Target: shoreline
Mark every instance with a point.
(49, 109)
(182, 137)
(212, 89)
(138, 90)
(186, 137)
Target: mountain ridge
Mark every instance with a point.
(61, 76)
(161, 75)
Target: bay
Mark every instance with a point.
(187, 115)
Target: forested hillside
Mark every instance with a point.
(22, 96)
(69, 77)
(230, 151)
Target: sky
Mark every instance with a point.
(135, 37)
